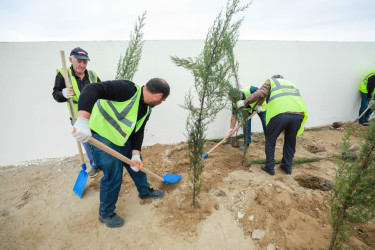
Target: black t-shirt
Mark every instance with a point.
(117, 90)
(370, 86)
(60, 85)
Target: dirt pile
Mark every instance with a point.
(239, 205)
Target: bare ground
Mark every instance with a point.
(39, 210)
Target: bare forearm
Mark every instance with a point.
(233, 121)
(136, 152)
(84, 114)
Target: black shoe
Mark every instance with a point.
(153, 194)
(286, 170)
(93, 172)
(112, 221)
(270, 172)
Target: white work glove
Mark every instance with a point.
(82, 130)
(371, 104)
(240, 104)
(259, 109)
(68, 93)
(231, 131)
(137, 159)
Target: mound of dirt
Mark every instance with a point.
(239, 206)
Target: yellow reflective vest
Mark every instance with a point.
(73, 82)
(251, 109)
(116, 121)
(284, 97)
(363, 86)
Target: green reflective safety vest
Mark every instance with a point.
(73, 82)
(363, 86)
(285, 97)
(247, 93)
(116, 121)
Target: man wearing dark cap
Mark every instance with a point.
(286, 112)
(79, 77)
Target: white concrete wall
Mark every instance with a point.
(34, 125)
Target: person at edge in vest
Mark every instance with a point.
(79, 77)
(115, 113)
(286, 111)
(252, 107)
(367, 91)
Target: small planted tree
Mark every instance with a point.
(241, 114)
(211, 71)
(128, 64)
(353, 195)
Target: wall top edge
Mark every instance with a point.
(184, 40)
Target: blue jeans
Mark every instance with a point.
(86, 145)
(290, 124)
(262, 116)
(112, 169)
(364, 104)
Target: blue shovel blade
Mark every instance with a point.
(171, 178)
(80, 184)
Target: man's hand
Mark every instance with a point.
(231, 131)
(240, 104)
(371, 104)
(137, 159)
(68, 93)
(82, 130)
(259, 109)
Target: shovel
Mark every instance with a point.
(359, 117)
(80, 184)
(225, 138)
(168, 178)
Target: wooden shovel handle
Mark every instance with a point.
(234, 130)
(359, 117)
(121, 157)
(70, 101)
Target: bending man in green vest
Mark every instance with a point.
(286, 111)
(367, 91)
(115, 113)
(79, 77)
(252, 107)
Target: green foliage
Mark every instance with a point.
(235, 95)
(353, 194)
(128, 65)
(211, 71)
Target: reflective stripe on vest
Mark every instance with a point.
(285, 97)
(253, 105)
(363, 86)
(77, 92)
(116, 121)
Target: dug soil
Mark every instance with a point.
(239, 205)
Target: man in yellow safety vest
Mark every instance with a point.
(286, 111)
(115, 113)
(79, 77)
(252, 107)
(367, 92)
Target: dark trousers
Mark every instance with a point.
(262, 116)
(112, 168)
(290, 124)
(364, 104)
